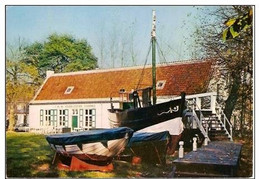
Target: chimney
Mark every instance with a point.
(49, 73)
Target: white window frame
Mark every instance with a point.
(90, 119)
(69, 90)
(41, 117)
(162, 86)
(81, 118)
(63, 117)
(48, 117)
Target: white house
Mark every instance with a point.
(21, 113)
(79, 100)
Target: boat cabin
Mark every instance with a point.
(131, 99)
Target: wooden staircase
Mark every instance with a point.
(215, 128)
(206, 120)
(212, 122)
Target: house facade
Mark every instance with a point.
(20, 112)
(79, 100)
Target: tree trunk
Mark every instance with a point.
(11, 118)
(243, 104)
(250, 114)
(232, 99)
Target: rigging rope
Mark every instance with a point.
(169, 47)
(142, 74)
(159, 48)
(160, 54)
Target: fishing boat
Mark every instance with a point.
(138, 114)
(93, 146)
(140, 118)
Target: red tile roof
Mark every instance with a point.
(191, 77)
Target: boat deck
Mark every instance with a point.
(219, 158)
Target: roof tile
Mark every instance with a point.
(192, 77)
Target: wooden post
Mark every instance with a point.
(181, 149)
(224, 120)
(194, 146)
(198, 102)
(213, 100)
(155, 148)
(206, 141)
(54, 158)
(231, 133)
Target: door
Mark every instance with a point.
(74, 122)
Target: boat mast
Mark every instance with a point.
(153, 34)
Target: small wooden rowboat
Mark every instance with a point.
(94, 145)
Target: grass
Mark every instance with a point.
(29, 155)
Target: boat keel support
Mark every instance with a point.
(79, 165)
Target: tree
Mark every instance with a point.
(27, 64)
(21, 81)
(234, 55)
(101, 47)
(60, 53)
(132, 43)
(238, 25)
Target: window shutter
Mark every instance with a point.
(81, 117)
(66, 117)
(41, 117)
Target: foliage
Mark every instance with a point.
(237, 25)
(246, 160)
(234, 56)
(60, 53)
(26, 66)
(21, 82)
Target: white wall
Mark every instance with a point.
(20, 119)
(101, 113)
(34, 116)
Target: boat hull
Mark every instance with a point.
(140, 118)
(150, 147)
(93, 151)
(97, 150)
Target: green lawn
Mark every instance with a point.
(29, 155)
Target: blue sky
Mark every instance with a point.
(129, 25)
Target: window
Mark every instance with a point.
(63, 117)
(54, 117)
(50, 117)
(90, 118)
(160, 84)
(74, 112)
(47, 121)
(69, 90)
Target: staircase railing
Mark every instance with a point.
(201, 102)
(214, 107)
(199, 119)
(225, 122)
